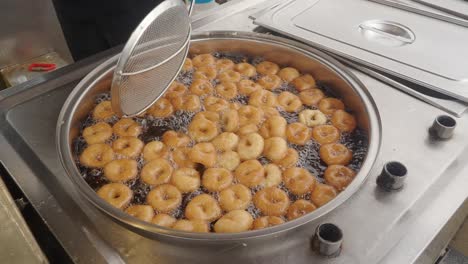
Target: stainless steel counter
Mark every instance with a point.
(408, 226)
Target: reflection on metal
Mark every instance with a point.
(443, 126)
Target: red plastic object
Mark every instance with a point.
(42, 67)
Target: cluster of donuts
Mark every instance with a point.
(246, 151)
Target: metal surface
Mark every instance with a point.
(412, 225)
(281, 51)
(455, 7)
(30, 28)
(443, 126)
(388, 39)
(151, 58)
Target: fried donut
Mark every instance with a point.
(267, 67)
(117, 194)
(289, 102)
(96, 155)
(215, 104)
(230, 120)
(229, 76)
(207, 115)
(181, 157)
(155, 150)
(274, 126)
(198, 226)
(298, 180)
(267, 221)
(227, 90)
(216, 179)
(164, 198)
(288, 74)
(164, 220)
(226, 141)
(175, 139)
(247, 129)
(312, 118)
(273, 175)
(311, 97)
(339, 176)
(201, 87)
(228, 160)
(233, 222)
(245, 69)
(250, 115)
(250, 173)
(203, 153)
(202, 130)
(329, 105)
(224, 64)
(269, 111)
(126, 127)
(343, 121)
(275, 148)
(298, 133)
(235, 105)
(262, 98)
(247, 87)
(103, 111)
(322, 194)
(188, 65)
(335, 154)
(156, 172)
(186, 179)
(205, 72)
(128, 147)
(121, 170)
(289, 160)
(162, 108)
(176, 89)
(270, 82)
(188, 102)
(271, 201)
(250, 146)
(203, 60)
(203, 207)
(325, 134)
(299, 208)
(98, 133)
(304, 82)
(142, 212)
(235, 197)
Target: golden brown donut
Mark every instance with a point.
(188, 65)
(325, 134)
(304, 82)
(250, 146)
(247, 87)
(202, 130)
(164, 220)
(275, 148)
(162, 108)
(229, 76)
(270, 82)
(117, 194)
(267, 67)
(201, 87)
(247, 129)
(142, 212)
(274, 126)
(298, 180)
(203, 60)
(96, 155)
(250, 115)
(203, 153)
(128, 147)
(121, 170)
(216, 179)
(230, 120)
(227, 90)
(103, 111)
(235, 197)
(226, 141)
(228, 160)
(339, 176)
(224, 64)
(175, 139)
(298, 133)
(289, 102)
(203, 207)
(311, 97)
(269, 111)
(198, 226)
(188, 102)
(164, 198)
(312, 118)
(234, 222)
(322, 194)
(207, 115)
(300, 208)
(267, 221)
(205, 72)
(181, 157)
(250, 173)
(245, 69)
(155, 150)
(186, 179)
(273, 175)
(156, 172)
(126, 127)
(271, 201)
(335, 154)
(344, 121)
(289, 160)
(98, 133)
(262, 98)
(176, 89)
(215, 104)
(288, 74)
(329, 105)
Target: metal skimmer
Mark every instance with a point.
(151, 58)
